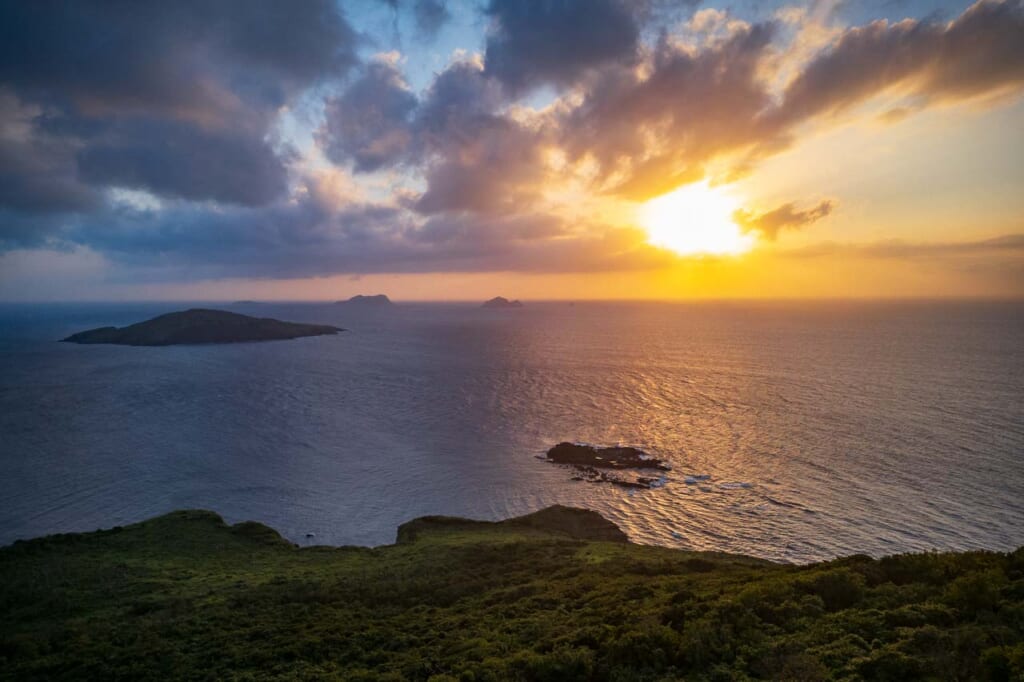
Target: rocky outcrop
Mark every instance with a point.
(579, 524)
(602, 465)
(616, 457)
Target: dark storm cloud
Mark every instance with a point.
(533, 42)
(174, 98)
(174, 159)
(307, 238)
(38, 176)
(186, 59)
(785, 217)
(369, 123)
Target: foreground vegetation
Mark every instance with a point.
(186, 596)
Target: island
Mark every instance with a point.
(554, 595)
(500, 302)
(200, 326)
(364, 301)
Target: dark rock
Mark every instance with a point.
(600, 465)
(581, 454)
(502, 302)
(200, 325)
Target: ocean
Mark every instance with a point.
(853, 427)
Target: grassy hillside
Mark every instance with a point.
(186, 596)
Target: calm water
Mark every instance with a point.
(861, 427)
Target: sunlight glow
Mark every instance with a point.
(695, 220)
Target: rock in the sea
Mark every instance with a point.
(502, 302)
(374, 301)
(581, 454)
(201, 325)
(591, 464)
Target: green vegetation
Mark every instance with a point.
(186, 596)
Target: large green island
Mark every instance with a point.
(557, 595)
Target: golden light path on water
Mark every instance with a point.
(808, 429)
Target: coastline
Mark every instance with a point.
(556, 595)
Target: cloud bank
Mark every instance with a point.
(160, 134)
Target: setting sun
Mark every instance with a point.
(695, 220)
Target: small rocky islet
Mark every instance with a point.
(600, 464)
(501, 303)
(367, 301)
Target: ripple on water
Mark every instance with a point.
(825, 429)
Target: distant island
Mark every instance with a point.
(556, 595)
(501, 302)
(374, 301)
(200, 325)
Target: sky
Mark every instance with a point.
(544, 149)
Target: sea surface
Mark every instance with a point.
(857, 427)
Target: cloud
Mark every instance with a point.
(980, 52)
(471, 156)
(174, 159)
(369, 123)
(536, 42)
(1010, 245)
(190, 59)
(184, 102)
(37, 171)
(305, 238)
(176, 98)
(785, 217)
(430, 16)
(650, 130)
(497, 169)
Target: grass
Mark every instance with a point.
(185, 596)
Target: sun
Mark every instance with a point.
(695, 220)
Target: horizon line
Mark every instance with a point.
(736, 299)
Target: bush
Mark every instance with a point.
(838, 589)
